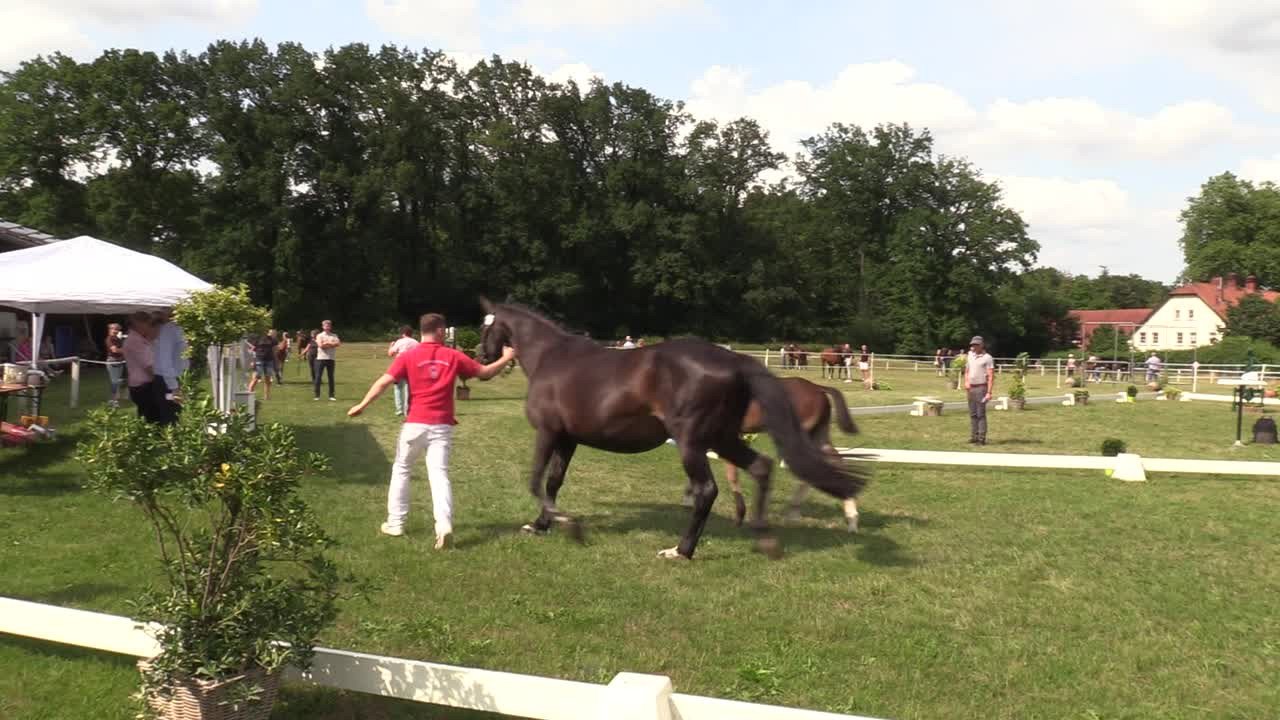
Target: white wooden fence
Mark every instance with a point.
(1125, 466)
(630, 696)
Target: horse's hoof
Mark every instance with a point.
(574, 528)
(671, 554)
(769, 547)
(532, 529)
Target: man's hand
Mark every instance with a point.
(356, 410)
(986, 398)
(508, 353)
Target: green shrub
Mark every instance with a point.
(1113, 446)
(247, 582)
(466, 338)
(1132, 391)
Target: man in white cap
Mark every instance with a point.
(979, 380)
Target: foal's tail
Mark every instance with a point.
(803, 457)
(843, 420)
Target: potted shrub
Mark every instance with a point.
(247, 587)
(1112, 447)
(958, 364)
(1082, 396)
(1018, 390)
(1132, 393)
(1172, 393)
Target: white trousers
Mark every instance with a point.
(435, 441)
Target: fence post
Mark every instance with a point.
(635, 696)
(75, 383)
(766, 358)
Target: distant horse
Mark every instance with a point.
(631, 402)
(810, 402)
(835, 362)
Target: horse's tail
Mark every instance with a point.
(803, 457)
(843, 420)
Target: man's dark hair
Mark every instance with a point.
(431, 323)
(406, 331)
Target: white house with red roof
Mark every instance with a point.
(1195, 314)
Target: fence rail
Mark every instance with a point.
(629, 696)
(1125, 466)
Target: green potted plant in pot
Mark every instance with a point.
(957, 366)
(1131, 393)
(1018, 389)
(246, 584)
(1081, 396)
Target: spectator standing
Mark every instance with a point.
(979, 381)
(431, 370)
(1154, 366)
(326, 355)
(139, 356)
(170, 347)
(309, 350)
(864, 367)
(282, 354)
(114, 343)
(264, 361)
(399, 346)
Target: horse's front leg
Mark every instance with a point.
(545, 446)
(703, 482)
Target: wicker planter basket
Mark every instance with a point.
(204, 700)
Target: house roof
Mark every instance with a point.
(16, 237)
(1136, 316)
(1222, 293)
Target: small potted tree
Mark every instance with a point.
(1131, 393)
(1112, 447)
(1018, 390)
(246, 584)
(1081, 396)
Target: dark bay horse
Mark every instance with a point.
(630, 402)
(814, 405)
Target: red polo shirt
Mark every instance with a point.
(430, 369)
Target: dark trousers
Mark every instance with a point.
(321, 367)
(311, 363)
(977, 412)
(151, 403)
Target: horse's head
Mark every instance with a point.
(495, 334)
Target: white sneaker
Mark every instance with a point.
(388, 528)
(333, 399)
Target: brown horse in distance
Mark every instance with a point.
(631, 402)
(814, 404)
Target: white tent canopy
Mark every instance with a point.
(87, 275)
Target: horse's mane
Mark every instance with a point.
(533, 315)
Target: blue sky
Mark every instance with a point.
(1097, 117)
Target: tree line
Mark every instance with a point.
(368, 184)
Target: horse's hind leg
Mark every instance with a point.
(761, 468)
(739, 503)
(704, 496)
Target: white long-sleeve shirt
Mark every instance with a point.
(170, 345)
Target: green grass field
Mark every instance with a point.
(968, 593)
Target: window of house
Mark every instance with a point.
(1142, 338)
(1213, 338)
(1177, 314)
(1191, 314)
(1179, 338)
(1193, 338)
(1155, 338)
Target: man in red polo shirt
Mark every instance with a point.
(430, 369)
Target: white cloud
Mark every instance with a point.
(132, 12)
(577, 72)
(454, 24)
(1261, 169)
(38, 30)
(557, 14)
(41, 27)
(1085, 224)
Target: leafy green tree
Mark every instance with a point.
(1254, 317)
(1232, 226)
